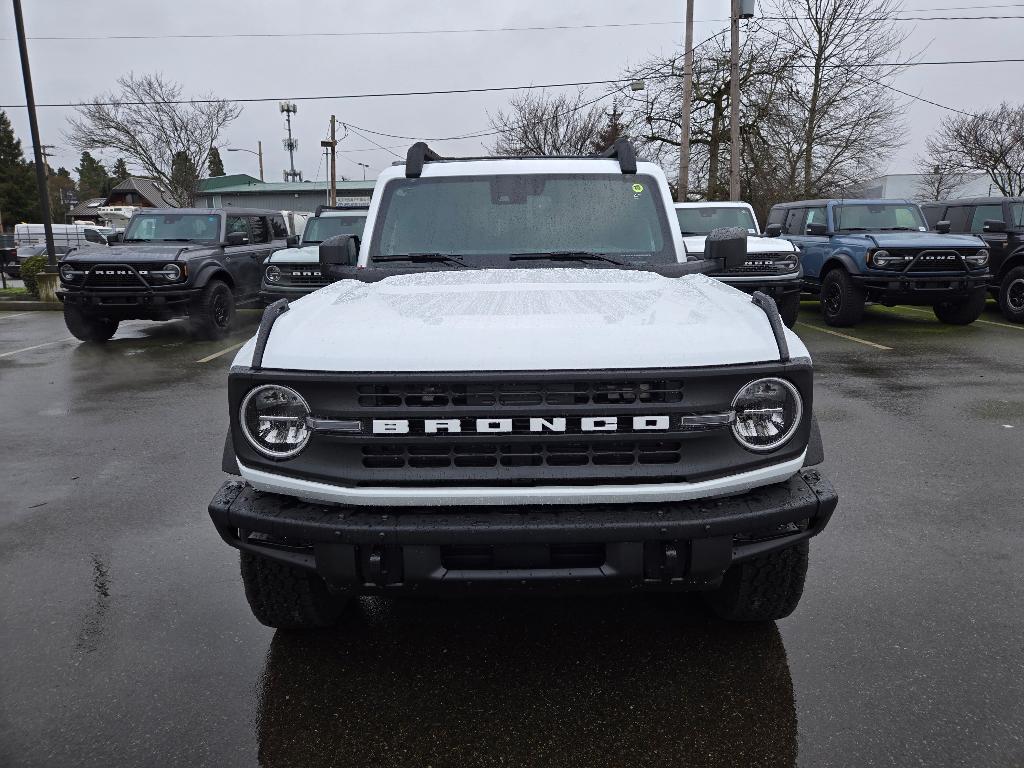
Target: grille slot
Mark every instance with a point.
(519, 394)
(575, 454)
(487, 558)
(303, 276)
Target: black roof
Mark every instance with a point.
(842, 200)
(978, 201)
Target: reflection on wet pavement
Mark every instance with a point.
(545, 682)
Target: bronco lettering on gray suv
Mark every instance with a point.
(559, 414)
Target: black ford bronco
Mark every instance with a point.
(175, 262)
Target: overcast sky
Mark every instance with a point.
(72, 70)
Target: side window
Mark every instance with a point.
(794, 220)
(777, 216)
(260, 229)
(278, 227)
(814, 216)
(237, 224)
(983, 213)
(956, 215)
(933, 214)
(93, 236)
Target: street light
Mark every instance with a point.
(258, 153)
(364, 166)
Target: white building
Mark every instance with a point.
(908, 186)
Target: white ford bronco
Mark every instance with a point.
(542, 393)
(772, 265)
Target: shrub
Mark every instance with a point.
(31, 267)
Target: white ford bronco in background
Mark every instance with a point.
(547, 395)
(772, 265)
(295, 271)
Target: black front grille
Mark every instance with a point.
(303, 276)
(116, 276)
(519, 394)
(533, 454)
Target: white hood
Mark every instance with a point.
(309, 254)
(755, 244)
(520, 319)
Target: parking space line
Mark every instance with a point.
(845, 336)
(37, 346)
(979, 320)
(16, 314)
(215, 355)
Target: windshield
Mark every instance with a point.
(486, 219)
(700, 221)
(879, 217)
(174, 226)
(323, 227)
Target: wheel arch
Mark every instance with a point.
(839, 261)
(1014, 260)
(210, 272)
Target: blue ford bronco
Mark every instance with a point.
(856, 251)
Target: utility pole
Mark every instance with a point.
(734, 101)
(259, 148)
(37, 145)
(331, 146)
(684, 136)
(288, 108)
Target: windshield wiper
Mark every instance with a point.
(687, 234)
(898, 229)
(853, 229)
(421, 258)
(564, 256)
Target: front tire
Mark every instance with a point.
(964, 311)
(842, 302)
(763, 588)
(1011, 295)
(789, 308)
(88, 327)
(284, 597)
(213, 312)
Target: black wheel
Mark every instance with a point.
(789, 308)
(85, 326)
(842, 302)
(964, 311)
(1011, 295)
(764, 588)
(288, 598)
(213, 312)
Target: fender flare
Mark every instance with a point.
(1012, 261)
(845, 260)
(208, 271)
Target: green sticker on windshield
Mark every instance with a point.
(638, 188)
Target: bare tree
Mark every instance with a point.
(146, 123)
(939, 180)
(991, 141)
(544, 124)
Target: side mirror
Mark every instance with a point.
(293, 241)
(816, 229)
(237, 238)
(773, 230)
(993, 225)
(339, 251)
(729, 244)
(942, 227)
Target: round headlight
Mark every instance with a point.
(880, 258)
(172, 272)
(67, 273)
(979, 259)
(273, 273)
(768, 412)
(273, 420)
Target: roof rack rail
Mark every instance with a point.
(270, 315)
(345, 207)
(419, 154)
(622, 151)
(767, 304)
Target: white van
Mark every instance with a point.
(71, 235)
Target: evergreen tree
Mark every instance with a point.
(18, 194)
(184, 179)
(613, 129)
(62, 188)
(119, 172)
(93, 179)
(215, 163)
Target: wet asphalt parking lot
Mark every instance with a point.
(125, 638)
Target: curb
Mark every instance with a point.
(16, 305)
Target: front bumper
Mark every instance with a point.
(137, 300)
(270, 294)
(678, 545)
(775, 286)
(923, 288)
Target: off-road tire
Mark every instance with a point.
(963, 311)
(212, 314)
(85, 326)
(284, 597)
(1011, 295)
(842, 302)
(789, 308)
(763, 588)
